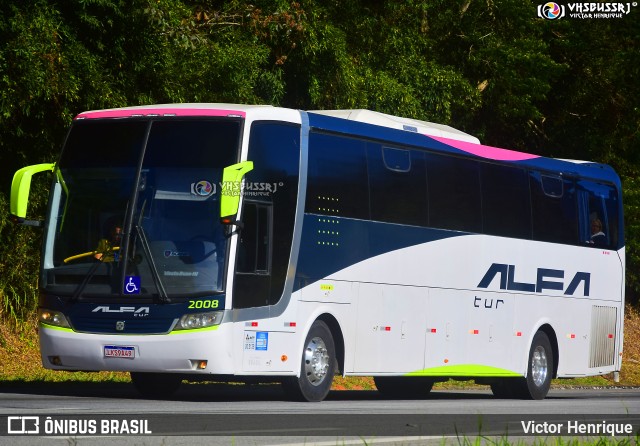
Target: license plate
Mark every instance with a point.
(116, 351)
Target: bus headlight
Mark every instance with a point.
(50, 317)
(194, 321)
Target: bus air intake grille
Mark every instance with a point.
(603, 336)
(122, 326)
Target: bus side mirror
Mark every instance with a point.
(20, 187)
(230, 192)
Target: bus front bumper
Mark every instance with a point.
(188, 352)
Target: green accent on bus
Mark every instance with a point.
(230, 193)
(21, 185)
(464, 370)
(195, 330)
(55, 327)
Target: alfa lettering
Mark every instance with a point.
(107, 309)
(546, 279)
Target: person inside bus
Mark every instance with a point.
(106, 250)
(598, 238)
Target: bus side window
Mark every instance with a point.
(337, 181)
(554, 209)
(453, 186)
(268, 214)
(506, 202)
(598, 210)
(397, 184)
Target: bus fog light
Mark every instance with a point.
(50, 317)
(199, 320)
(198, 364)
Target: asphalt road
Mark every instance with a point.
(99, 414)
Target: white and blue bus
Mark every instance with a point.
(233, 242)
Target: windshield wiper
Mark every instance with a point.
(86, 280)
(162, 293)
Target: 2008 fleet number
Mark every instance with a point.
(203, 304)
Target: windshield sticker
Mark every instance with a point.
(168, 253)
(181, 273)
(203, 188)
(132, 285)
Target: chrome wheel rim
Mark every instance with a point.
(539, 366)
(316, 361)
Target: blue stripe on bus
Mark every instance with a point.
(330, 244)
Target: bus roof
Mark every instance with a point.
(186, 109)
(399, 123)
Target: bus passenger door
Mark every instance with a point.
(252, 284)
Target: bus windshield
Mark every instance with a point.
(135, 209)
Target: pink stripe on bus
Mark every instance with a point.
(126, 113)
(494, 153)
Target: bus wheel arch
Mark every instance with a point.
(541, 368)
(318, 364)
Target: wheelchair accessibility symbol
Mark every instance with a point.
(132, 285)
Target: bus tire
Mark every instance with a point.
(539, 370)
(156, 385)
(408, 387)
(318, 365)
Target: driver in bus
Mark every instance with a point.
(106, 250)
(598, 238)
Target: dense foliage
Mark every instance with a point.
(567, 88)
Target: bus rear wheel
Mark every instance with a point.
(156, 385)
(540, 367)
(403, 386)
(317, 367)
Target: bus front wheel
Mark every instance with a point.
(155, 385)
(317, 367)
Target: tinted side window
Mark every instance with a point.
(268, 214)
(613, 220)
(397, 183)
(554, 209)
(506, 207)
(454, 193)
(337, 181)
(598, 214)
